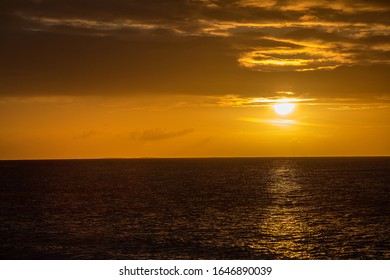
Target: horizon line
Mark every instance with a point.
(193, 157)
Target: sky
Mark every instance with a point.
(193, 78)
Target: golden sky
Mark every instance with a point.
(193, 78)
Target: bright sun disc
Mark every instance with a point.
(283, 108)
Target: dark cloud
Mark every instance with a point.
(303, 34)
(86, 135)
(73, 64)
(159, 134)
(247, 47)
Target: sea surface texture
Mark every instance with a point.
(243, 208)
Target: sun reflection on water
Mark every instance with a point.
(284, 229)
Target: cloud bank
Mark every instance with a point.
(243, 47)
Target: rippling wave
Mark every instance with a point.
(244, 208)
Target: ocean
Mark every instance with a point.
(216, 208)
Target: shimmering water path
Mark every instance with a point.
(244, 208)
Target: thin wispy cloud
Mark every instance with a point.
(157, 134)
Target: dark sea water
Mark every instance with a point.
(243, 208)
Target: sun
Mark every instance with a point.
(284, 108)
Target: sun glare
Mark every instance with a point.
(284, 108)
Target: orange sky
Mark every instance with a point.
(88, 79)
